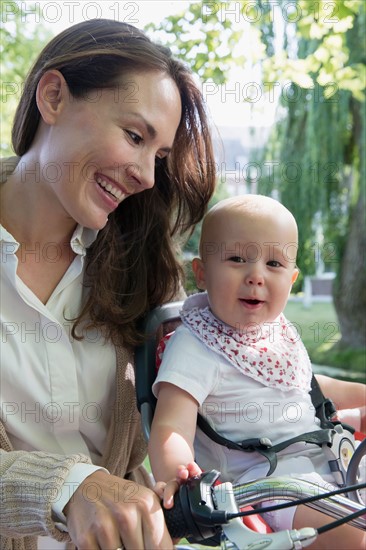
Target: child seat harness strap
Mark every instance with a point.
(324, 408)
(324, 437)
(263, 445)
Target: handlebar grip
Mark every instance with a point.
(193, 514)
(175, 521)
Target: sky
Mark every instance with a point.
(225, 103)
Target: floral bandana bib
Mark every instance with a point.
(272, 353)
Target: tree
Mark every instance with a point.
(322, 136)
(318, 142)
(19, 44)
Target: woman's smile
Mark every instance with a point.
(111, 188)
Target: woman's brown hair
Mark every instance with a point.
(133, 265)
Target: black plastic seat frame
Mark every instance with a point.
(153, 327)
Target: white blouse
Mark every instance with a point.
(57, 393)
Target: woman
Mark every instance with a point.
(105, 114)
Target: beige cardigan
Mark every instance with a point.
(26, 477)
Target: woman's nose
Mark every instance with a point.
(147, 174)
(143, 172)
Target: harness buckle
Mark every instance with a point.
(265, 442)
(251, 445)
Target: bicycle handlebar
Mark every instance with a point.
(201, 510)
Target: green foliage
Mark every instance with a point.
(323, 27)
(320, 137)
(202, 40)
(19, 45)
(206, 36)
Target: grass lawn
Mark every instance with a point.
(319, 329)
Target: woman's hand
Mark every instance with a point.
(107, 512)
(167, 490)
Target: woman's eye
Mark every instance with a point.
(274, 263)
(237, 259)
(135, 137)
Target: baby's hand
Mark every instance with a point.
(167, 490)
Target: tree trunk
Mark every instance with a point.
(350, 286)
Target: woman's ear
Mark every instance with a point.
(198, 269)
(51, 94)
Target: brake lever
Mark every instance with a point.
(244, 538)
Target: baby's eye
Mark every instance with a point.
(237, 259)
(135, 137)
(274, 263)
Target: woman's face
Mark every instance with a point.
(103, 148)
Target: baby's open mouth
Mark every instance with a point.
(251, 302)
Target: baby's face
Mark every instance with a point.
(248, 266)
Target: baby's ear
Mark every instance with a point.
(295, 275)
(198, 269)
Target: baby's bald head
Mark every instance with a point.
(246, 210)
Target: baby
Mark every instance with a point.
(238, 362)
